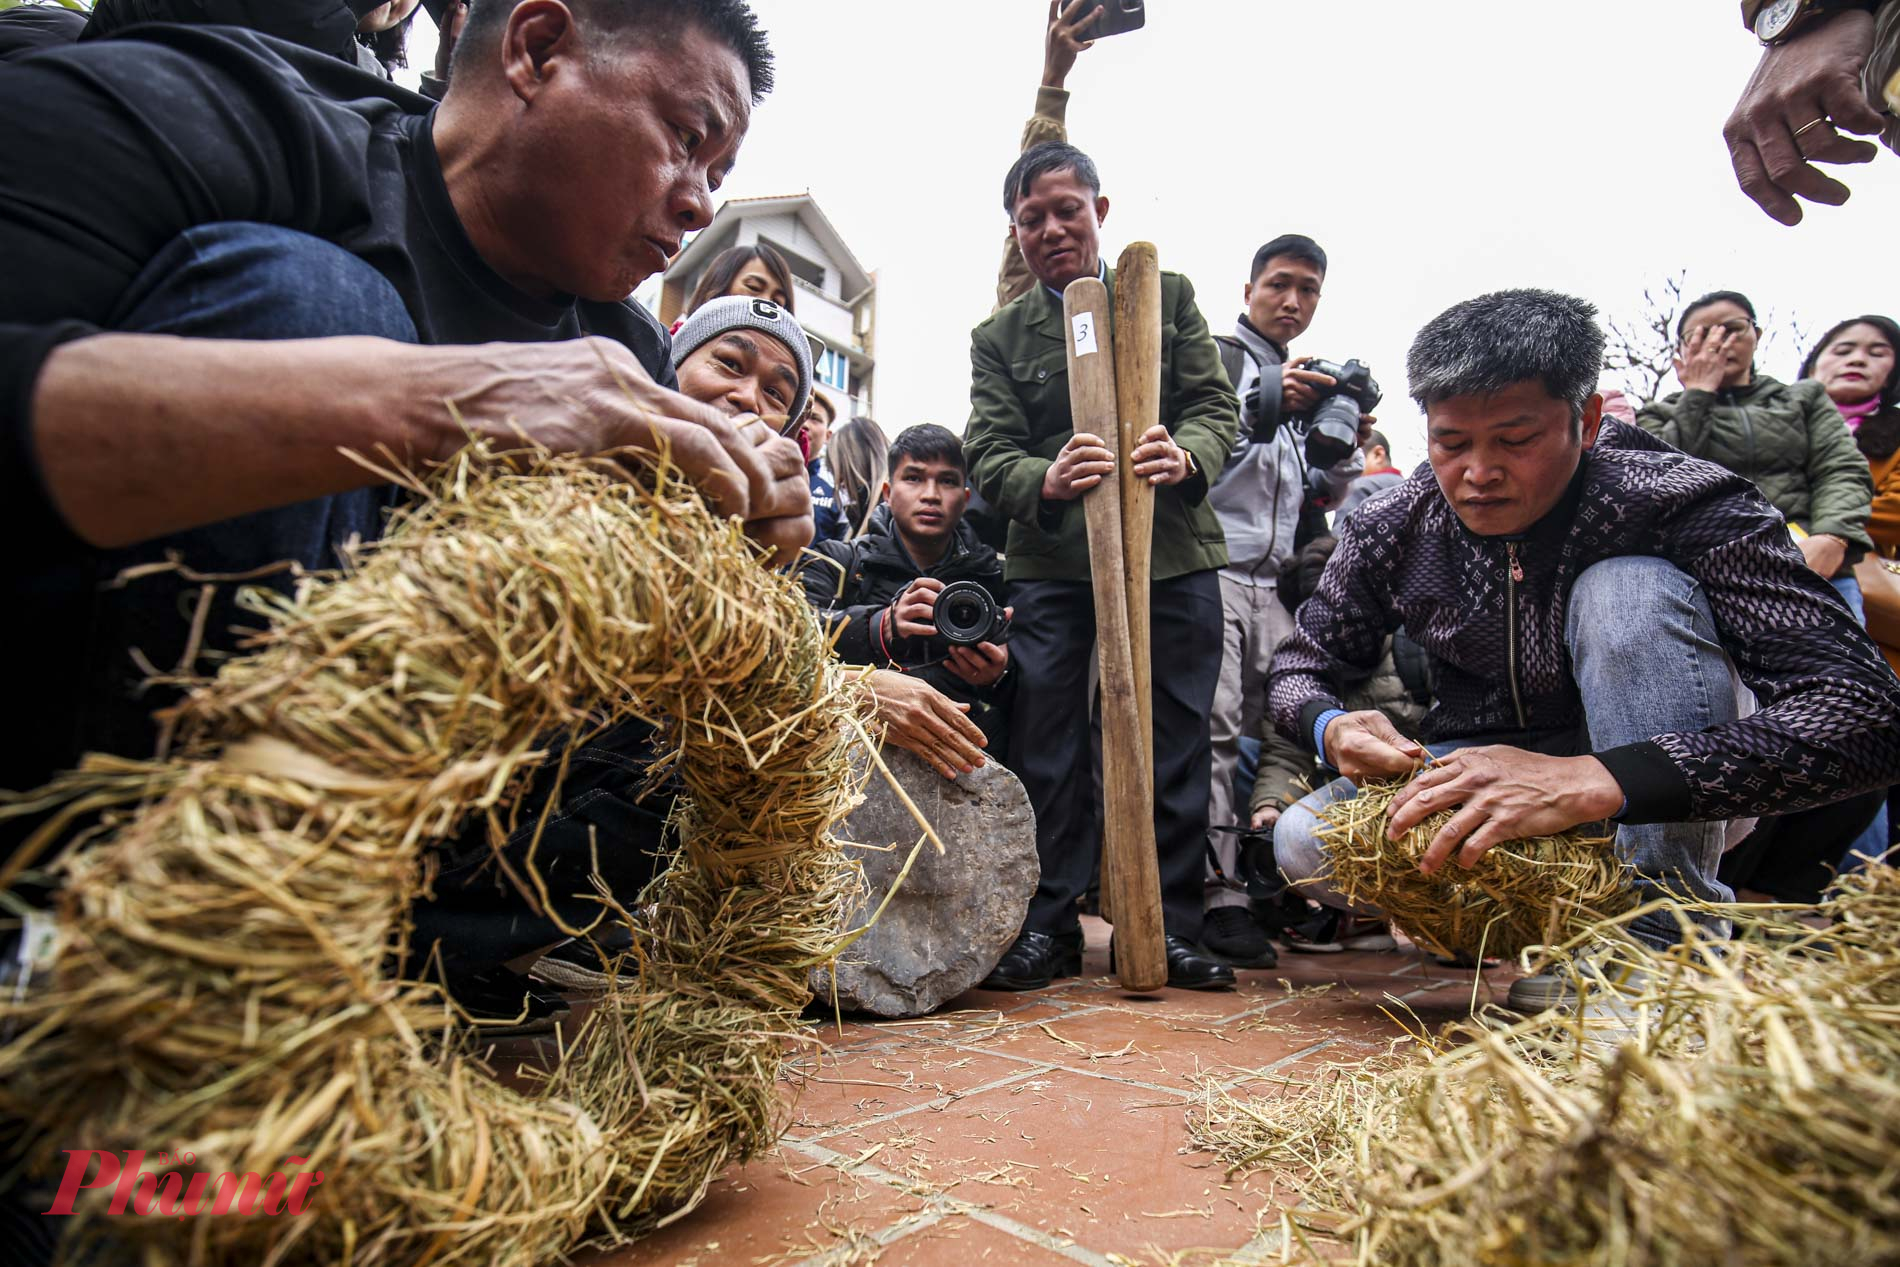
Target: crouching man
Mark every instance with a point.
(1592, 601)
(879, 593)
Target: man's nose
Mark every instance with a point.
(744, 395)
(691, 202)
(1480, 471)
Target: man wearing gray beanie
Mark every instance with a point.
(722, 361)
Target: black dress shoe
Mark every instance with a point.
(1035, 960)
(1189, 969)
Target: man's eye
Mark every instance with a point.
(688, 138)
(728, 363)
(1515, 444)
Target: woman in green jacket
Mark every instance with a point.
(1786, 437)
(1793, 443)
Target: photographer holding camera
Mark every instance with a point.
(1301, 424)
(919, 593)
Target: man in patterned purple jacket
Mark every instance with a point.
(1594, 603)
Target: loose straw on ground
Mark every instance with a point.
(223, 983)
(1524, 893)
(1738, 1104)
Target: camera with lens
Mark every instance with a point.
(1331, 427)
(966, 613)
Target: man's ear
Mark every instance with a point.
(539, 36)
(884, 492)
(1101, 208)
(1592, 420)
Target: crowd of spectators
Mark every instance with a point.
(234, 213)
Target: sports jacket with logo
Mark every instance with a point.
(1829, 721)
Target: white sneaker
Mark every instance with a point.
(1602, 976)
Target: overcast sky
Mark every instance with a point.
(1435, 150)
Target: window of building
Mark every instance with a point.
(805, 270)
(834, 370)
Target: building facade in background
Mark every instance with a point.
(837, 298)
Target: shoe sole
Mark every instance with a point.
(1022, 985)
(569, 978)
(1270, 959)
(1214, 984)
(1530, 1003)
(1315, 948)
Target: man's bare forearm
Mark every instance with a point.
(139, 436)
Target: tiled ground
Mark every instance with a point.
(1046, 1128)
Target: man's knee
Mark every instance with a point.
(1631, 593)
(257, 281)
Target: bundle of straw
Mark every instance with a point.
(223, 977)
(1741, 1106)
(1524, 893)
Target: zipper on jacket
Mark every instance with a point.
(1748, 439)
(1511, 580)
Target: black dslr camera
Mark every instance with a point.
(1331, 426)
(966, 614)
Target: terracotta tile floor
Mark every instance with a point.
(1046, 1128)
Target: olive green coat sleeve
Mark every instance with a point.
(1286, 772)
(1839, 481)
(1006, 459)
(1020, 419)
(1684, 420)
(1048, 123)
(1207, 413)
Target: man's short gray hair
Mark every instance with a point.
(1486, 344)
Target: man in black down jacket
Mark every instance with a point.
(1590, 598)
(878, 592)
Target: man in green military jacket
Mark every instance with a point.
(1030, 464)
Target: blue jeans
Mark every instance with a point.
(1648, 661)
(220, 281)
(1872, 842)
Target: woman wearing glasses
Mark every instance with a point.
(1788, 438)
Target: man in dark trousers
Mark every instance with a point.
(879, 590)
(1030, 463)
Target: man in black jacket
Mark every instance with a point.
(1590, 599)
(878, 593)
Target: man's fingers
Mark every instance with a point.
(1790, 171)
(1824, 146)
(1462, 824)
(1480, 842)
(1312, 377)
(707, 464)
(1753, 177)
(1845, 106)
(784, 537)
(956, 719)
(1421, 803)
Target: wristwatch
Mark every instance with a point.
(1776, 21)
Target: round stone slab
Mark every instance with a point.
(956, 913)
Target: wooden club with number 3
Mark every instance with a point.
(1131, 879)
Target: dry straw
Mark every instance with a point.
(222, 979)
(1524, 893)
(1740, 1104)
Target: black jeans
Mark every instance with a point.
(479, 918)
(1052, 642)
(1793, 857)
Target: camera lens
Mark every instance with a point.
(965, 613)
(1333, 432)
